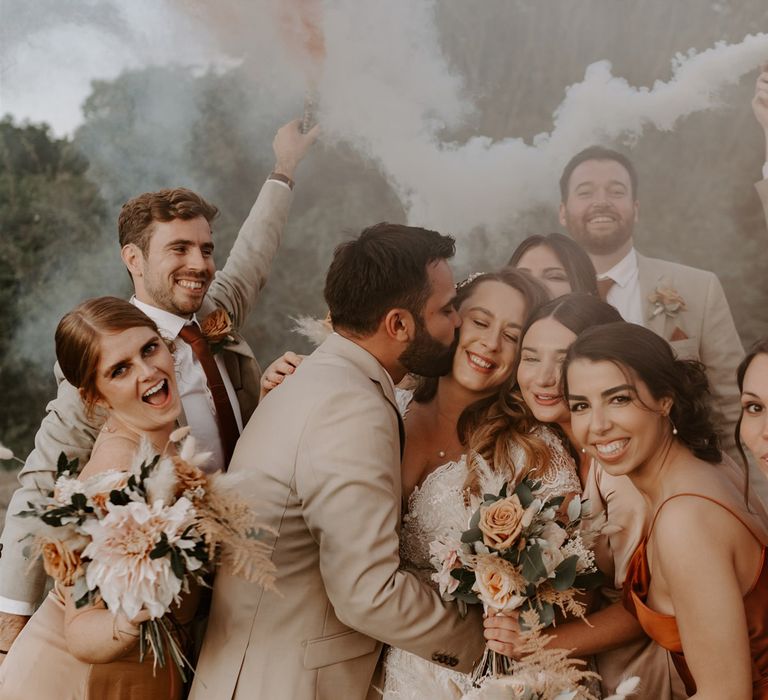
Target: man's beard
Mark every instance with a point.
(163, 298)
(602, 244)
(426, 356)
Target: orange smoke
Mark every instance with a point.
(300, 27)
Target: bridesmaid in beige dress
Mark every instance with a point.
(114, 354)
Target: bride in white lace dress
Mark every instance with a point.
(468, 412)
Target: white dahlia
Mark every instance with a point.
(121, 567)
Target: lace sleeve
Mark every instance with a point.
(559, 476)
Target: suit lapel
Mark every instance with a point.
(649, 280)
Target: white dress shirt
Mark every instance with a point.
(624, 295)
(196, 397)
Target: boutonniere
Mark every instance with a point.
(667, 301)
(217, 328)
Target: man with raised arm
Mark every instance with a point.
(167, 246)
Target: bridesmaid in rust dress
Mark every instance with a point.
(698, 581)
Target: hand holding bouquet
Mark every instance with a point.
(520, 552)
(137, 539)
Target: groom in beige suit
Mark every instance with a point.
(320, 459)
(167, 247)
(686, 306)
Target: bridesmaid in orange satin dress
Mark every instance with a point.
(698, 581)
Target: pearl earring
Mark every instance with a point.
(674, 429)
(584, 450)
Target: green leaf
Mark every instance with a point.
(177, 563)
(475, 519)
(525, 494)
(565, 573)
(590, 581)
(61, 464)
(503, 492)
(533, 568)
(472, 535)
(546, 614)
(162, 547)
(119, 498)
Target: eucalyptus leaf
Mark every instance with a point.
(471, 535)
(475, 519)
(533, 568)
(524, 493)
(574, 508)
(546, 614)
(565, 573)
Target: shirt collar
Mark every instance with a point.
(168, 324)
(624, 270)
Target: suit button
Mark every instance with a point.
(453, 661)
(436, 657)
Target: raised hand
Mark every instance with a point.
(290, 146)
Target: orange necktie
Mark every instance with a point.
(225, 416)
(604, 286)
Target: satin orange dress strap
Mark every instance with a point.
(663, 628)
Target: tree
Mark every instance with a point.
(48, 209)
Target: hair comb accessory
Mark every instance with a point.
(471, 278)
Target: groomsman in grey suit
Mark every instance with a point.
(760, 108)
(686, 306)
(167, 246)
(320, 460)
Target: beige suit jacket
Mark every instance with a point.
(705, 332)
(66, 428)
(320, 460)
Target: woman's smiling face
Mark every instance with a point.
(135, 378)
(614, 416)
(542, 352)
(491, 318)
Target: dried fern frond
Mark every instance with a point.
(566, 600)
(228, 524)
(548, 671)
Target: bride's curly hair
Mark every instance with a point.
(490, 425)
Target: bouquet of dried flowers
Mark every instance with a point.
(521, 552)
(136, 539)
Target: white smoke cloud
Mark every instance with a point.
(401, 97)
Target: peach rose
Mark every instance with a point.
(502, 522)
(216, 326)
(498, 584)
(61, 562)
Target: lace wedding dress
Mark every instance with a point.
(437, 509)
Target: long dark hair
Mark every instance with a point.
(651, 359)
(574, 259)
(759, 348)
